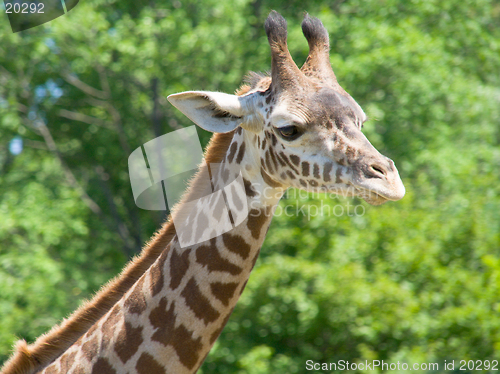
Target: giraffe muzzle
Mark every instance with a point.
(377, 180)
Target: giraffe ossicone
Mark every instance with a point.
(294, 128)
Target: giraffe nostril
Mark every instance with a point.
(378, 171)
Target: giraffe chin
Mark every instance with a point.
(372, 197)
(369, 196)
(375, 199)
(379, 191)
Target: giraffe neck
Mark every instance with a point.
(170, 319)
(30, 359)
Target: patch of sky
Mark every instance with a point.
(16, 145)
(55, 91)
(3, 103)
(49, 42)
(40, 92)
(50, 89)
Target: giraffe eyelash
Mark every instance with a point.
(289, 133)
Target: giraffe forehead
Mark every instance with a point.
(324, 106)
(327, 104)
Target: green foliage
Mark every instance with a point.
(49, 258)
(416, 281)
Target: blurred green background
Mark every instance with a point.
(412, 281)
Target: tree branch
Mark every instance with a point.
(71, 79)
(76, 116)
(49, 140)
(104, 80)
(117, 123)
(156, 115)
(131, 248)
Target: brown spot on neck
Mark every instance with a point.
(109, 325)
(90, 349)
(136, 302)
(102, 366)
(157, 280)
(208, 255)
(224, 292)
(178, 267)
(250, 192)
(236, 244)
(257, 218)
(179, 337)
(146, 364)
(128, 341)
(198, 303)
(67, 358)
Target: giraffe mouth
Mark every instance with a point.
(378, 193)
(374, 193)
(373, 198)
(369, 195)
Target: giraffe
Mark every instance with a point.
(293, 128)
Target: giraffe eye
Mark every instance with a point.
(289, 132)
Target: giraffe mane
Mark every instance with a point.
(29, 359)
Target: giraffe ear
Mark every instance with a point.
(217, 111)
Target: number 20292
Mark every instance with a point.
(478, 365)
(24, 8)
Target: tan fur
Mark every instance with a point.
(29, 359)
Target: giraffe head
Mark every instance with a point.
(306, 128)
